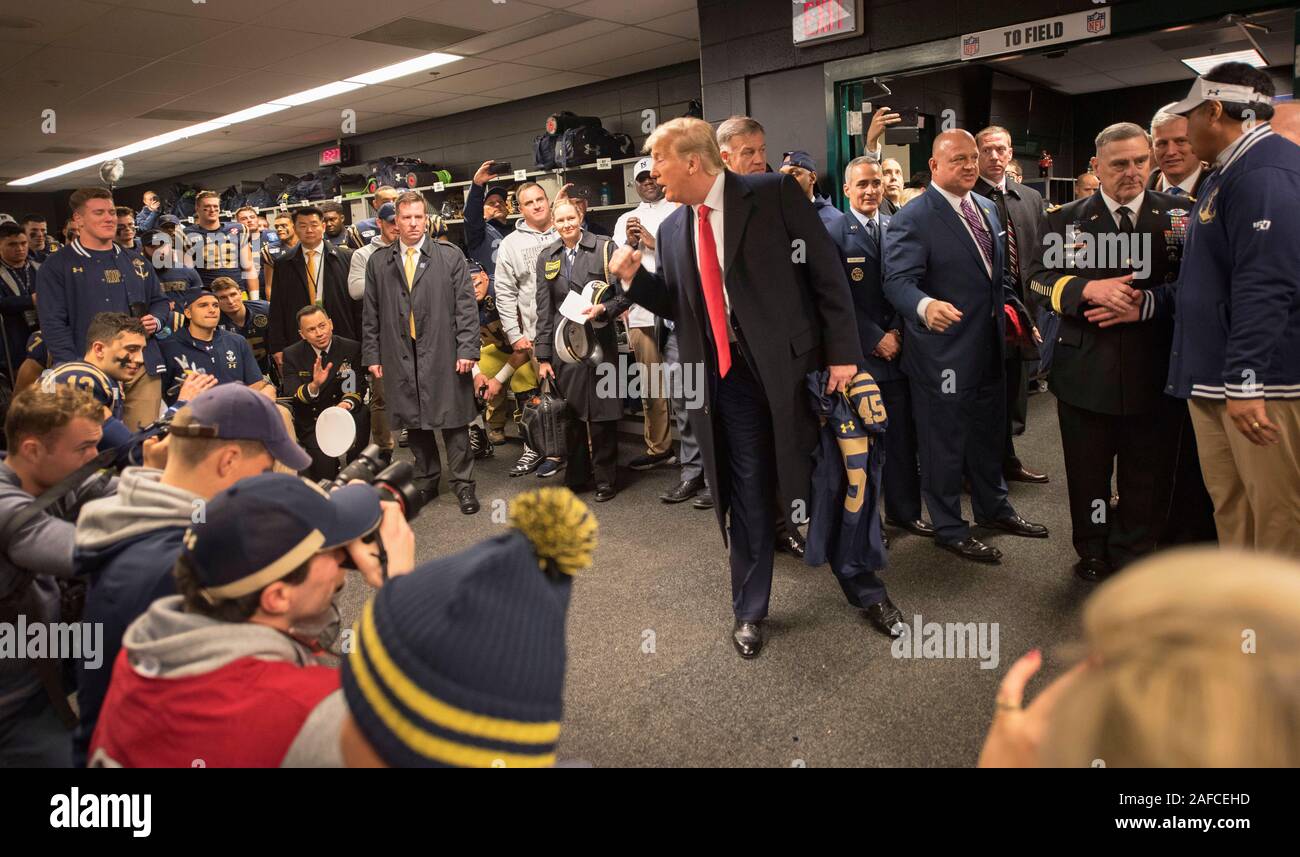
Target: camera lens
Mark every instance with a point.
(395, 483)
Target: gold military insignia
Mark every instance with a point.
(140, 271)
(259, 321)
(1207, 212)
(857, 275)
(345, 367)
(113, 276)
(552, 269)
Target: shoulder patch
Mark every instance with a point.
(552, 269)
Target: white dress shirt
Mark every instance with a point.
(715, 201)
(1134, 206)
(1186, 184)
(314, 272)
(955, 201)
(862, 219)
(651, 215)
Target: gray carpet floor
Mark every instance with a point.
(654, 681)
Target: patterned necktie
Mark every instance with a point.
(1013, 256)
(1176, 191)
(976, 224)
(311, 276)
(711, 284)
(411, 255)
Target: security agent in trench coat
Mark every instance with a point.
(578, 382)
(422, 387)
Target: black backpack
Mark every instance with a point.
(400, 172)
(277, 183)
(182, 204)
(310, 187)
(557, 124)
(231, 198)
(585, 145)
(260, 198)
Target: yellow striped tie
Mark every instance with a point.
(410, 282)
(311, 276)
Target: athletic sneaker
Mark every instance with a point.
(650, 462)
(479, 445)
(550, 467)
(527, 462)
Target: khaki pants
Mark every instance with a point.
(658, 438)
(1256, 489)
(143, 401)
(380, 432)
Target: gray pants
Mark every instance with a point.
(690, 450)
(428, 464)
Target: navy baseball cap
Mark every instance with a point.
(388, 213)
(261, 528)
(236, 412)
(799, 158)
(495, 190)
(170, 218)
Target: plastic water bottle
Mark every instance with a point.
(606, 197)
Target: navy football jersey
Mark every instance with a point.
(257, 317)
(215, 252)
(37, 351)
(83, 376)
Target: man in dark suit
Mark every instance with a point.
(1177, 170)
(1110, 251)
(859, 237)
(945, 276)
(749, 276)
(314, 271)
(323, 371)
(1020, 209)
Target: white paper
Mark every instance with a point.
(574, 304)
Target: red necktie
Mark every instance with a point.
(711, 280)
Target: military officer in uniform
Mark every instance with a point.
(859, 237)
(1111, 254)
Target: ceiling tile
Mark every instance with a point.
(491, 77)
(668, 55)
(342, 58)
(446, 72)
(630, 11)
(253, 46)
(483, 15)
(620, 43)
(53, 19)
(237, 11)
(248, 90)
(176, 78)
(685, 24)
(141, 33)
(552, 41)
(463, 103)
(338, 17)
(13, 53)
(540, 85)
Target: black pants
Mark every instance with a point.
(599, 458)
(1146, 448)
(1191, 511)
(746, 451)
(902, 476)
(1017, 409)
(428, 465)
(325, 466)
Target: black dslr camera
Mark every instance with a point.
(393, 482)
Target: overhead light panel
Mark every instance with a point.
(256, 112)
(307, 96)
(1201, 65)
(402, 69)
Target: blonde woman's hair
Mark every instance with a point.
(1196, 663)
(908, 194)
(562, 202)
(688, 136)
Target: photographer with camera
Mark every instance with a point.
(127, 544)
(323, 371)
(52, 436)
(225, 674)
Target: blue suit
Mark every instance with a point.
(956, 376)
(864, 265)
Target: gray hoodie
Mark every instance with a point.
(167, 642)
(141, 505)
(515, 281)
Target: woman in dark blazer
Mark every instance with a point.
(564, 266)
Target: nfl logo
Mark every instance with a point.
(971, 46)
(1096, 22)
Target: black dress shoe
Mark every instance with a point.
(604, 491)
(1017, 526)
(973, 549)
(685, 491)
(917, 527)
(1092, 569)
(1020, 473)
(887, 618)
(791, 544)
(747, 637)
(468, 502)
(704, 500)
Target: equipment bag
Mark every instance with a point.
(545, 417)
(401, 172)
(586, 145)
(545, 145)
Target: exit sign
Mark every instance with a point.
(817, 21)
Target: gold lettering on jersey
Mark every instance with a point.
(113, 276)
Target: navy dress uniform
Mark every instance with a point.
(1237, 336)
(559, 272)
(860, 241)
(1109, 382)
(347, 382)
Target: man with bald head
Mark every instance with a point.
(945, 275)
(1286, 121)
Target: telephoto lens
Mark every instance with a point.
(395, 483)
(364, 468)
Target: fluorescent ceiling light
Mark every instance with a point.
(251, 113)
(402, 69)
(1201, 65)
(55, 172)
(307, 96)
